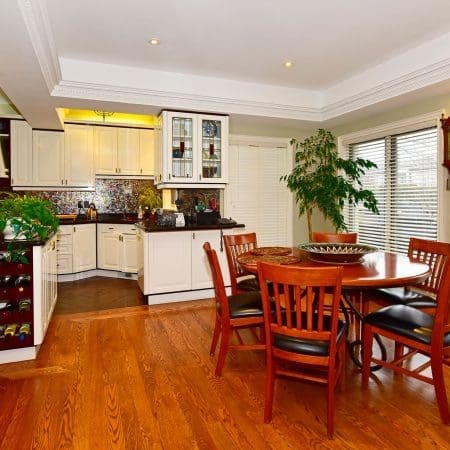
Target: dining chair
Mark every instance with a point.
(233, 313)
(337, 238)
(235, 245)
(304, 341)
(341, 238)
(415, 332)
(421, 295)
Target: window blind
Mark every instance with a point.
(405, 185)
(255, 195)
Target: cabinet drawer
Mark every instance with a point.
(108, 228)
(64, 248)
(65, 239)
(64, 264)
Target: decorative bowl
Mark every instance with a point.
(337, 253)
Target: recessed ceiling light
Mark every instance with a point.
(153, 41)
(288, 64)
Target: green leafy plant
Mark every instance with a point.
(150, 198)
(323, 180)
(29, 217)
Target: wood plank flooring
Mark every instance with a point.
(142, 378)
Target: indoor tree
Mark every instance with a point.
(322, 179)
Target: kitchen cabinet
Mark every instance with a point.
(64, 159)
(21, 153)
(192, 150)
(64, 249)
(79, 156)
(176, 261)
(124, 151)
(117, 247)
(76, 248)
(48, 158)
(46, 294)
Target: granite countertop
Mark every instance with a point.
(143, 224)
(101, 218)
(149, 227)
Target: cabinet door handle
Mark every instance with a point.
(193, 235)
(62, 181)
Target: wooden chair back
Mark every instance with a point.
(435, 255)
(235, 245)
(299, 295)
(336, 238)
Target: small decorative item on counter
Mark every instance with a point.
(213, 203)
(140, 214)
(149, 199)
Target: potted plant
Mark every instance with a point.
(323, 180)
(27, 217)
(149, 199)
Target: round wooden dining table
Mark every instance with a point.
(374, 270)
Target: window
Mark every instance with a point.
(405, 185)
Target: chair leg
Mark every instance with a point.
(224, 342)
(439, 389)
(331, 403)
(366, 354)
(270, 384)
(216, 334)
(398, 350)
(343, 363)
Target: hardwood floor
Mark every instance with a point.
(97, 293)
(141, 378)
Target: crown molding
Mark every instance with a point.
(180, 100)
(413, 81)
(38, 25)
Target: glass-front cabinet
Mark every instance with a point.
(194, 149)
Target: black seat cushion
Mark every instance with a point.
(406, 321)
(248, 284)
(309, 346)
(247, 304)
(406, 296)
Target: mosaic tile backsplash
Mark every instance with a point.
(119, 196)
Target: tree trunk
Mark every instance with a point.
(308, 218)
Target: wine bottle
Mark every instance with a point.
(22, 280)
(10, 329)
(25, 305)
(24, 330)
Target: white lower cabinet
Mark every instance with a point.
(45, 287)
(175, 261)
(76, 248)
(117, 247)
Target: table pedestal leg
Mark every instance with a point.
(360, 307)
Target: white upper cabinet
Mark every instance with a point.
(79, 156)
(64, 159)
(21, 153)
(147, 152)
(105, 150)
(128, 151)
(48, 158)
(124, 151)
(193, 149)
